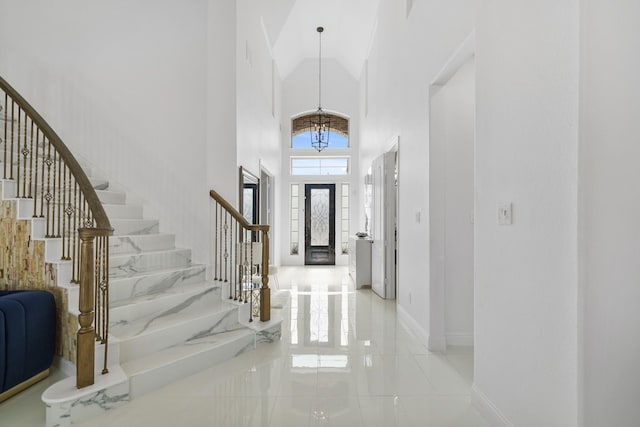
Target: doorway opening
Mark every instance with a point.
(320, 224)
(249, 196)
(267, 206)
(452, 202)
(384, 223)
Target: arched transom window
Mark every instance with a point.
(338, 131)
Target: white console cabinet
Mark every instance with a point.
(360, 261)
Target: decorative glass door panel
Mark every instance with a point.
(320, 214)
(320, 217)
(248, 203)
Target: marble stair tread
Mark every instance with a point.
(171, 364)
(99, 184)
(138, 301)
(162, 334)
(185, 299)
(154, 282)
(165, 320)
(122, 211)
(112, 197)
(186, 349)
(137, 243)
(127, 265)
(126, 227)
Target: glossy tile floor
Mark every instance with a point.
(344, 360)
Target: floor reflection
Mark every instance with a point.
(344, 360)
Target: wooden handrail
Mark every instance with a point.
(227, 257)
(237, 215)
(73, 213)
(100, 216)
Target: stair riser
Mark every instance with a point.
(128, 265)
(25, 208)
(38, 225)
(16, 134)
(113, 355)
(8, 189)
(96, 183)
(124, 288)
(52, 249)
(119, 245)
(61, 276)
(13, 157)
(87, 171)
(123, 211)
(192, 332)
(124, 227)
(269, 335)
(144, 382)
(18, 160)
(165, 306)
(112, 197)
(65, 408)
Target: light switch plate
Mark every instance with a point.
(505, 214)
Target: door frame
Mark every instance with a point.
(249, 180)
(384, 224)
(437, 340)
(331, 248)
(267, 208)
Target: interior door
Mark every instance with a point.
(390, 223)
(250, 203)
(377, 228)
(319, 224)
(383, 225)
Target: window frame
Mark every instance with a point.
(293, 158)
(342, 128)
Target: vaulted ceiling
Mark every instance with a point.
(291, 26)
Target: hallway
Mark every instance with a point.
(344, 360)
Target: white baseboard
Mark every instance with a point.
(437, 343)
(460, 339)
(487, 409)
(413, 326)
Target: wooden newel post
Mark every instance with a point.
(265, 292)
(85, 352)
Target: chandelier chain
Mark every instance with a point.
(320, 30)
(319, 122)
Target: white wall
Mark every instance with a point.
(406, 55)
(258, 93)
(300, 95)
(609, 211)
(124, 85)
(526, 153)
(259, 99)
(221, 113)
(452, 177)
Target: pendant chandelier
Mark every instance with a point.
(319, 122)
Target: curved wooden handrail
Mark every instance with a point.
(99, 215)
(235, 214)
(73, 213)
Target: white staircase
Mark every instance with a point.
(166, 320)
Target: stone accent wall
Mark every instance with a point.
(23, 266)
